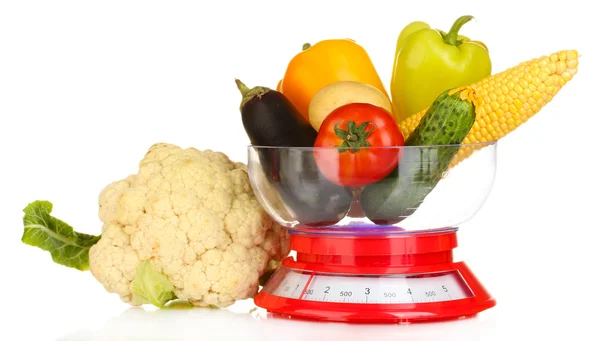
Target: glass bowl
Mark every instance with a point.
(391, 190)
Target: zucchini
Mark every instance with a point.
(443, 127)
(271, 120)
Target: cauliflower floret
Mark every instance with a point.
(194, 215)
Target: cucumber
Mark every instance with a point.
(271, 120)
(396, 197)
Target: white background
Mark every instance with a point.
(86, 87)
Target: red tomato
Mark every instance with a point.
(353, 128)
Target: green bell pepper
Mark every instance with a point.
(429, 61)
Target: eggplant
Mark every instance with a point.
(271, 120)
(312, 198)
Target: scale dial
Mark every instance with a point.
(373, 279)
(369, 289)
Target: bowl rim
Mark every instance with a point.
(474, 144)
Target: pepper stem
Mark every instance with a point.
(305, 46)
(452, 36)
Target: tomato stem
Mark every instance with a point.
(352, 138)
(355, 136)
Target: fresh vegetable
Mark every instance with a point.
(151, 286)
(340, 93)
(445, 124)
(311, 198)
(67, 247)
(408, 30)
(508, 99)
(500, 104)
(429, 61)
(345, 132)
(270, 119)
(324, 63)
(189, 218)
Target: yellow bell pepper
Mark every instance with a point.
(429, 61)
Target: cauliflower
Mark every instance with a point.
(192, 216)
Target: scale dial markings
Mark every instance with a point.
(383, 289)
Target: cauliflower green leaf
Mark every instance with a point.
(151, 286)
(67, 247)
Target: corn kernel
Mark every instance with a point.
(562, 55)
(572, 55)
(541, 88)
(479, 112)
(517, 89)
(487, 107)
(523, 83)
(567, 76)
(545, 97)
(518, 103)
(572, 64)
(561, 67)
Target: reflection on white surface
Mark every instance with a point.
(213, 324)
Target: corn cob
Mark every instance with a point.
(508, 99)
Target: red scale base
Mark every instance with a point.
(424, 254)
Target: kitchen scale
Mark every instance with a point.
(356, 271)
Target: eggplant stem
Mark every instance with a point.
(242, 87)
